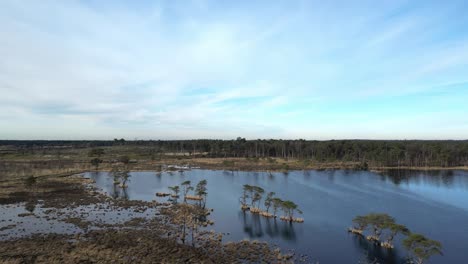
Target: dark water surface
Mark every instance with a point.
(432, 203)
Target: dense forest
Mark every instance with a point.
(416, 153)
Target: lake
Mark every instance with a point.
(433, 203)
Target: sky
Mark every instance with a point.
(181, 69)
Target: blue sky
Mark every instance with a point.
(222, 69)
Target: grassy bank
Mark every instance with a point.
(20, 168)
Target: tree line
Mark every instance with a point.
(417, 153)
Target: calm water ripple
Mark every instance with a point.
(434, 203)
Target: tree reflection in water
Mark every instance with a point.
(30, 206)
(256, 226)
(118, 192)
(444, 178)
(375, 253)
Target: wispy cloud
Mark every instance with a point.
(215, 69)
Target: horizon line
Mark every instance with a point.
(247, 139)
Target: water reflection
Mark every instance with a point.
(227, 172)
(439, 178)
(117, 192)
(330, 199)
(159, 177)
(256, 226)
(30, 206)
(271, 176)
(373, 253)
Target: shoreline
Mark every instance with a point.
(275, 170)
(221, 164)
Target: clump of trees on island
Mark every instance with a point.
(383, 229)
(251, 200)
(421, 247)
(200, 192)
(189, 217)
